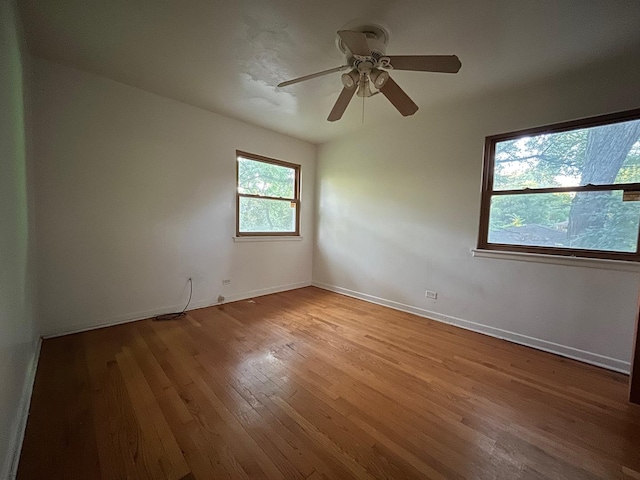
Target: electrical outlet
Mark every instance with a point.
(431, 294)
(220, 299)
(226, 281)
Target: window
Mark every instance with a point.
(267, 196)
(567, 189)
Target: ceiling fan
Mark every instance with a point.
(367, 65)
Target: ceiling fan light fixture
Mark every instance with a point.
(350, 80)
(378, 77)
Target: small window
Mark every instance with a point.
(267, 196)
(566, 189)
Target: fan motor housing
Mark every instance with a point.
(377, 39)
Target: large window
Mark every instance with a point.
(267, 196)
(566, 189)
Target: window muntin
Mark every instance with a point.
(559, 189)
(267, 196)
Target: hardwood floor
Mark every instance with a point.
(311, 384)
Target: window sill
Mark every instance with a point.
(268, 238)
(559, 260)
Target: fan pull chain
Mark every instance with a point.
(363, 110)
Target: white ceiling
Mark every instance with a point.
(227, 56)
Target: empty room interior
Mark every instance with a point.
(301, 240)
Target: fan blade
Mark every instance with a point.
(341, 104)
(313, 75)
(426, 63)
(398, 98)
(356, 42)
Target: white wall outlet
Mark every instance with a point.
(226, 281)
(431, 294)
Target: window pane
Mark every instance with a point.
(265, 215)
(587, 220)
(597, 155)
(266, 179)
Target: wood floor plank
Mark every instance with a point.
(309, 384)
(66, 423)
(117, 432)
(250, 413)
(157, 441)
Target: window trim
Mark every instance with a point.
(488, 192)
(296, 193)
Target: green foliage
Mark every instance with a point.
(549, 160)
(266, 180)
(263, 215)
(548, 210)
(629, 174)
(559, 160)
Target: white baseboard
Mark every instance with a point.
(265, 291)
(17, 435)
(544, 345)
(133, 317)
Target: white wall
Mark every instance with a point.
(17, 330)
(135, 193)
(398, 212)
